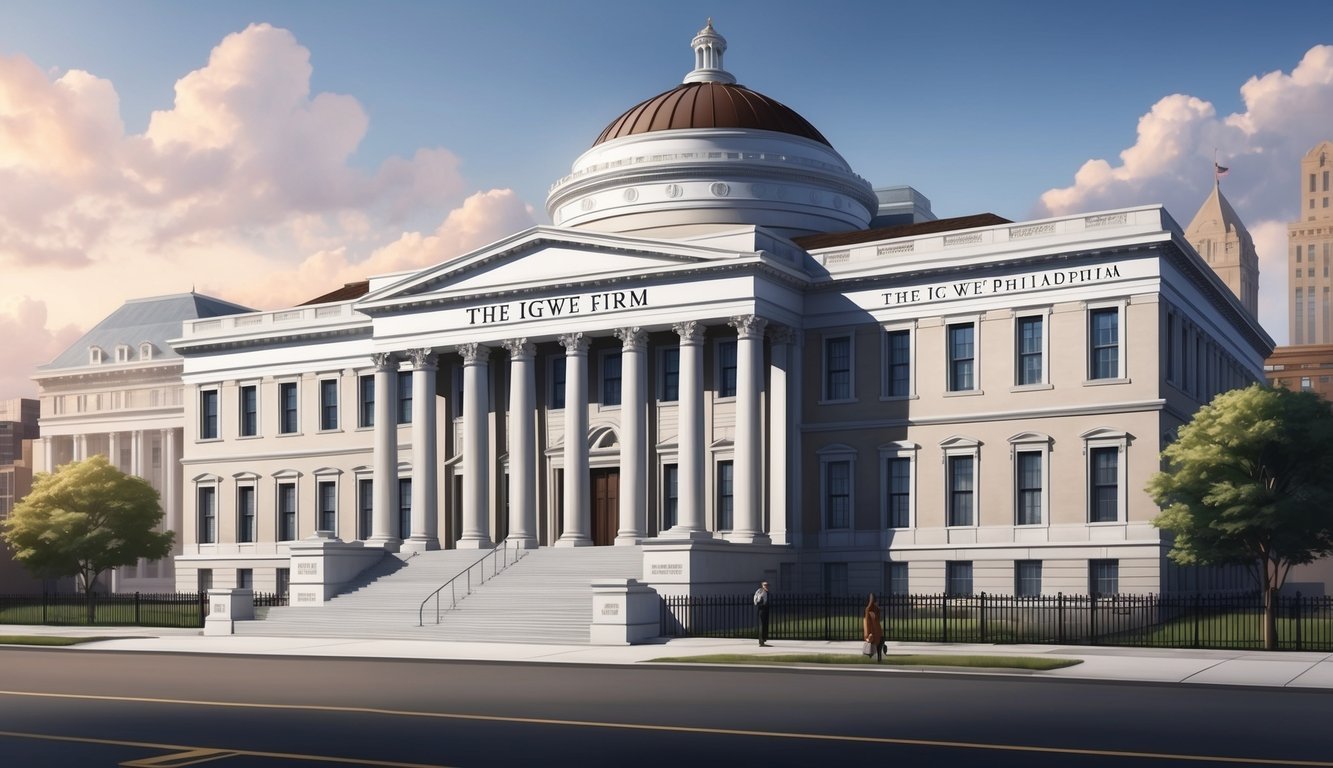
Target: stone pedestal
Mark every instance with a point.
(624, 612)
(681, 566)
(322, 565)
(226, 607)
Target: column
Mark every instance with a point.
(633, 440)
(136, 453)
(384, 510)
(748, 524)
(690, 434)
(425, 467)
(476, 448)
(576, 511)
(779, 419)
(80, 447)
(113, 450)
(48, 453)
(522, 443)
(170, 466)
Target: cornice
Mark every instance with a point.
(193, 346)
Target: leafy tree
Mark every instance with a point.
(1250, 482)
(83, 519)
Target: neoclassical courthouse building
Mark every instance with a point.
(713, 344)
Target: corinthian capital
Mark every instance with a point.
(385, 361)
(520, 347)
(574, 343)
(690, 332)
(422, 358)
(748, 326)
(474, 353)
(634, 339)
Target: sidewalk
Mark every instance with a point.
(1166, 665)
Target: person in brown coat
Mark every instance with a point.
(873, 628)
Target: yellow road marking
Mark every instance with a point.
(653, 728)
(180, 759)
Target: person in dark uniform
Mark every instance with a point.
(761, 611)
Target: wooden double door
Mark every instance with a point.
(605, 500)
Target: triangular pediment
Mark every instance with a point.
(543, 258)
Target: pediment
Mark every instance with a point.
(540, 259)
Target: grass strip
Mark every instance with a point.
(905, 660)
(52, 640)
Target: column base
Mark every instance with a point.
(387, 543)
(474, 543)
(629, 539)
(420, 544)
(748, 537)
(573, 541)
(523, 542)
(685, 534)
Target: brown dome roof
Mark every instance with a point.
(710, 105)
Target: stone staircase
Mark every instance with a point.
(545, 597)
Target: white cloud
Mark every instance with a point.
(29, 342)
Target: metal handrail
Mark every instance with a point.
(500, 549)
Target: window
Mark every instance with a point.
(1170, 346)
(365, 401)
(365, 508)
(328, 404)
(404, 384)
(245, 578)
(557, 382)
(287, 407)
(1029, 345)
(205, 579)
(838, 368)
(670, 377)
(404, 507)
(286, 511)
(122, 353)
(1027, 469)
(1027, 578)
(898, 364)
(94, 355)
(249, 405)
(670, 495)
(961, 357)
(245, 513)
(835, 579)
(725, 495)
(895, 579)
(611, 379)
(726, 369)
(837, 494)
(958, 578)
(1104, 577)
(1104, 343)
(960, 489)
(328, 505)
(208, 414)
(898, 470)
(284, 581)
(146, 351)
(1103, 504)
(208, 515)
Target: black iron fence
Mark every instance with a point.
(1161, 621)
(173, 609)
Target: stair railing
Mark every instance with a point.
(499, 559)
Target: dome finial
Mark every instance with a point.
(708, 49)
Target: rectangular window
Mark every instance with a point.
(670, 386)
(670, 495)
(725, 498)
(205, 578)
(838, 368)
(558, 382)
(835, 579)
(960, 490)
(328, 404)
(1029, 343)
(1027, 578)
(287, 407)
(895, 579)
(726, 369)
(898, 376)
(245, 578)
(1104, 343)
(404, 382)
(1312, 184)
(286, 511)
(961, 357)
(1104, 577)
(249, 396)
(245, 513)
(208, 414)
(1170, 347)
(284, 581)
(208, 515)
(958, 578)
(1104, 492)
(900, 492)
(365, 401)
(1027, 468)
(611, 379)
(328, 505)
(404, 507)
(365, 508)
(838, 494)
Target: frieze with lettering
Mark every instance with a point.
(557, 306)
(992, 286)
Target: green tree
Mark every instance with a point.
(83, 519)
(1250, 482)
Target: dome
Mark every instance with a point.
(710, 105)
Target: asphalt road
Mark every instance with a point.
(64, 707)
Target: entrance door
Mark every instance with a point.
(605, 506)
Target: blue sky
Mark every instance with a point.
(983, 106)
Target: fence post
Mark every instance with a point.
(1060, 617)
(944, 617)
(1195, 642)
(1092, 618)
(43, 606)
(828, 635)
(983, 617)
(136, 609)
(203, 606)
(1296, 619)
